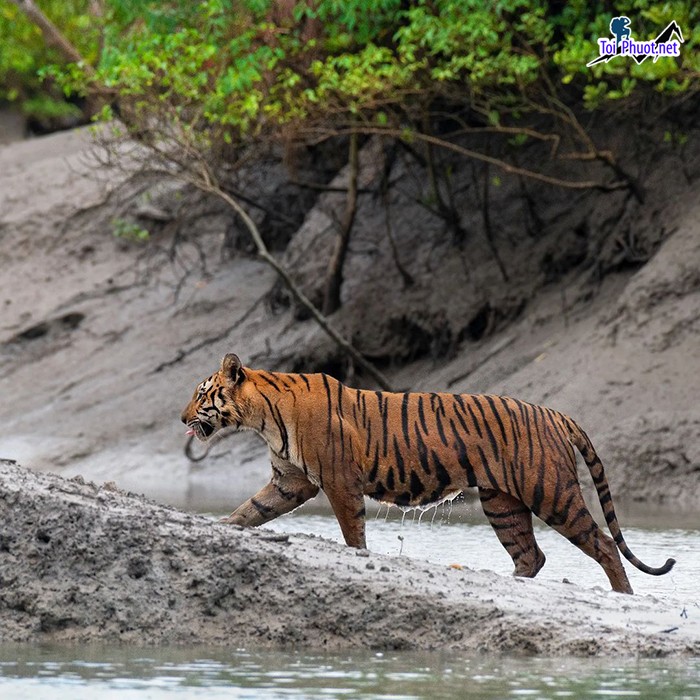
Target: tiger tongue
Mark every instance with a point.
(190, 432)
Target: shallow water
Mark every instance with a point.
(447, 536)
(462, 535)
(84, 673)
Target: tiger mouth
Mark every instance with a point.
(200, 429)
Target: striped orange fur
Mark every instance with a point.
(415, 449)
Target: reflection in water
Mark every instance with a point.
(104, 673)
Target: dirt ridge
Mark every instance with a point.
(81, 562)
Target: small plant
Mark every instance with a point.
(130, 231)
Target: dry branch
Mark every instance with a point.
(334, 274)
(206, 184)
(52, 35)
(409, 135)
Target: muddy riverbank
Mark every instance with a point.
(81, 562)
(115, 333)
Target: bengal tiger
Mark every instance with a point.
(414, 449)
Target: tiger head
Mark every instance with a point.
(220, 401)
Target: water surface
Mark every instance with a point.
(83, 673)
(442, 537)
(463, 536)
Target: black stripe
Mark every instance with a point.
(417, 487)
(375, 465)
(443, 476)
(581, 537)
(329, 416)
(580, 513)
(514, 456)
(421, 414)
(369, 438)
(273, 384)
(384, 411)
(404, 419)
(462, 456)
(422, 450)
(491, 436)
(306, 381)
(487, 470)
(441, 405)
(554, 440)
(379, 491)
(320, 468)
(287, 495)
(458, 415)
(504, 515)
(339, 413)
(329, 412)
(284, 452)
(538, 491)
(403, 499)
(277, 418)
(462, 412)
(399, 461)
(497, 416)
(474, 420)
(441, 432)
(264, 510)
(530, 437)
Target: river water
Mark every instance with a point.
(443, 537)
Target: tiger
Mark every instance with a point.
(414, 450)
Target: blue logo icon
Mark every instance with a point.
(620, 27)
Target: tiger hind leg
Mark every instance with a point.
(512, 523)
(579, 527)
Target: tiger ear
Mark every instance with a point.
(232, 369)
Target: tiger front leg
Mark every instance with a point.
(280, 496)
(348, 504)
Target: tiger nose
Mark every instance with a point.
(183, 418)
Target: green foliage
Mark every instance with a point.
(242, 69)
(130, 231)
(621, 78)
(23, 55)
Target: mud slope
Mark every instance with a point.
(102, 339)
(81, 562)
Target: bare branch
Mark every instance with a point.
(209, 186)
(52, 35)
(334, 275)
(407, 135)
